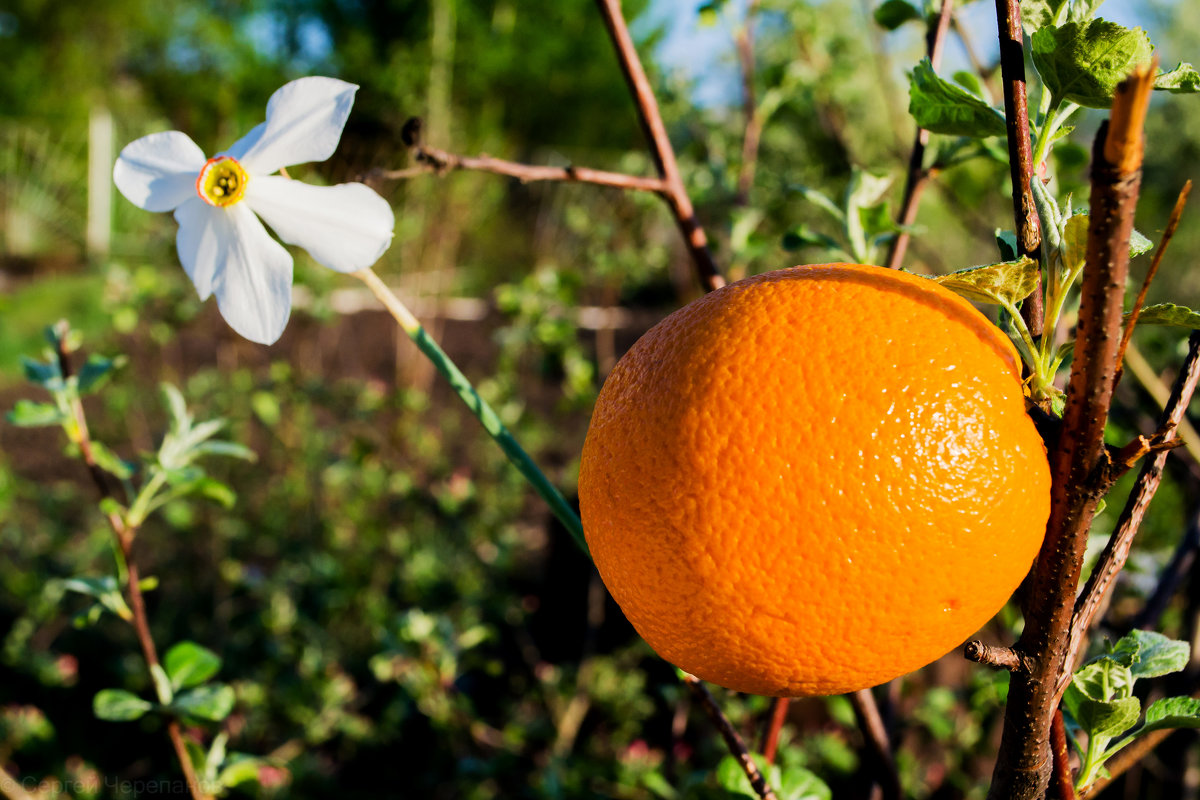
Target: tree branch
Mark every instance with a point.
(918, 175)
(779, 709)
(1020, 149)
(1116, 552)
(995, 657)
(1023, 763)
(732, 740)
(125, 536)
(431, 160)
(866, 711)
(1063, 785)
(660, 145)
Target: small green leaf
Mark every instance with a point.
(97, 369)
(240, 768)
(894, 13)
(1168, 314)
(1037, 14)
(118, 705)
(188, 664)
(1106, 677)
(162, 684)
(1083, 62)
(215, 490)
(1139, 244)
(43, 373)
(216, 755)
(212, 702)
(1074, 242)
(230, 449)
(940, 106)
(1172, 712)
(804, 236)
(822, 201)
(1108, 719)
(1157, 655)
(1007, 283)
(1006, 242)
(28, 414)
(1184, 79)
(797, 783)
(110, 462)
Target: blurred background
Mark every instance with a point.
(398, 613)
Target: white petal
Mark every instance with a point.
(227, 251)
(158, 172)
(345, 227)
(304, 122)
(244, 144)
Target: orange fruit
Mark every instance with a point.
(814, 480)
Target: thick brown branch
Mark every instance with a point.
(874, 732)
(660, 145)
(914, 185)
(432, 160)
(1020, 149)
(1116, 552)
(1023, 763)
(734, 742)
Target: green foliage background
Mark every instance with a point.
(397, 613)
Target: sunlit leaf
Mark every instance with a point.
(1006, 283)
(118, 705)
(1083, 62)
(942, 107)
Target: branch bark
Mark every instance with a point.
(870, 722)
(1020, 149)
(660, 146)
(1023, 763)
(1116, 552)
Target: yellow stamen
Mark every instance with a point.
(222, 181)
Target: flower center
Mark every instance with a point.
(222, 181)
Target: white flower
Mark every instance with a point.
(223, 246)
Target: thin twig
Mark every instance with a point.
(1116, 552)
(918, 175)
(754, 119)
(779, 709)
(1168, 233)
(732, 740)
(1064, 786)
(660, 145)
(125, 536)
(1023, 764)
(870, 722)
(1020, 149)
(996, 657)
(431, 160)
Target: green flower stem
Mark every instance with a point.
(478, 406)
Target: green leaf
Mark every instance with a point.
(1184, 79)
(110, 462)
(1108, 718)
(822, 201)
(1157, 655)
(162, 684)
(1006, 241)
(1139, 244)
(215, 490)
(230, 449)
(970, 81)
(940, 106)
(797, 783)
(188, 664)
(28, 414)
(1168, 314)
(1007, 283)
(1074, 242)
(118, 705)
(213, 702)
(43, 373)
(1083, 62)
(1037, 14)
(1106, 677)
(894, 13)
(240, 768)
(1172, 712)
(97, 369)
(804, 236)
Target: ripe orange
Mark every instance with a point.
(814, 480)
